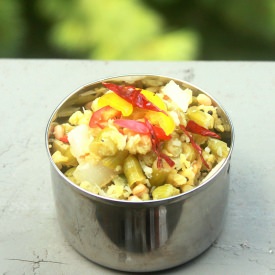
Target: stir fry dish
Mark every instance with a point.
(140, 143)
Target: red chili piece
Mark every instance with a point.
(195, 145)
(102, 115)
(161, 155)
(133, 95)
(157, 147)
(195, 128)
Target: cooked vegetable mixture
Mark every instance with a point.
(140, 143)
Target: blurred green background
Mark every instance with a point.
(138, 29)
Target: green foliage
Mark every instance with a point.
(138, 29)
(119, 29)
(11, 28)
(228, 29)
(250, 17)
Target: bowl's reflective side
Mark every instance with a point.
(148, 237)
(139, 239)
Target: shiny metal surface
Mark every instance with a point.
(140, 236)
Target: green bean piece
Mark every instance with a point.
(159, 175)
(200, 117)
(116, 161)
(133, 171)
(199, 139)
(218, 147)
(165, 191)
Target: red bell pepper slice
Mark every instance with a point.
(64, 139)
(133, 95)
(195, 145)
(195, 128)
(160, 133)
(102, 115)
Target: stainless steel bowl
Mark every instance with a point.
(139, 236)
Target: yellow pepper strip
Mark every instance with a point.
(159, 118)
(116, 102)
(155, 99)
(164, 121)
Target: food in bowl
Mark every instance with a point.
(140, 141)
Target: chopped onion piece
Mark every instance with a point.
(79, 139)
(182, 97)
(94, 173)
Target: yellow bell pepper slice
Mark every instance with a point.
(159, 118)
(116, 102)
(155, 99)
(164, 121)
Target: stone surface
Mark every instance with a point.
(30, 238)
